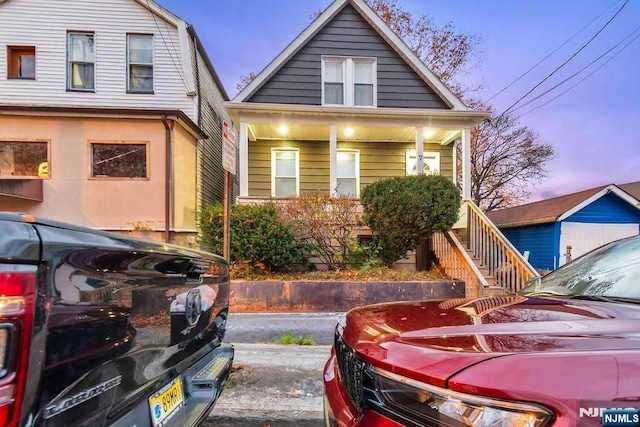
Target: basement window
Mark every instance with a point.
(21, 62)
(119, 160)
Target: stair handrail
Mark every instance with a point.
(474, 280)
(453, 240)
(495, 230)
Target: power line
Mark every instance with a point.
(186, 86)
(568, 60)
(578, 72)
(557, 49)
(584, 78)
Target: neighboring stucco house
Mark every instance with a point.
(556, 230)
(110, 115)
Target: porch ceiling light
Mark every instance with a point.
(283, 129)
(428, 133)
(348, 132)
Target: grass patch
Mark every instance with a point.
(289, 339)
(231, 382)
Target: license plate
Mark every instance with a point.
(166, 402)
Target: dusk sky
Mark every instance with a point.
(594, 127)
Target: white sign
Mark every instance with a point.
(228, 147)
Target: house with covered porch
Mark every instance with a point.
(344, 104)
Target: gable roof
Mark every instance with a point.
(381, 28)
(562, 207)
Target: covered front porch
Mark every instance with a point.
(290, 150)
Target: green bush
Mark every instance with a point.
(405, 211)
(258, 235)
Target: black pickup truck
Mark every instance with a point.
(100, 329)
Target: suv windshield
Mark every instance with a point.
(610, 271)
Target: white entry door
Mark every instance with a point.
(583, 237)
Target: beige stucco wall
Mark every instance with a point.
(185, 175)
(69, 194)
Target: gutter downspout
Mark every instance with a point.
(168, 202)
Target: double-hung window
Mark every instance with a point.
(81, 58)
(140, 63)
(347, 173)
(349, 81)
(285, 172)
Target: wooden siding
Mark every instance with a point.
(539, 240)
(44, 24)
(210, 172)
(609, 209)
(377, 160)
(299, 80)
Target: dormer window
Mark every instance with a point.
(349, 81)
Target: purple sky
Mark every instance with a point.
(594, 127)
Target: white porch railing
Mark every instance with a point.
(495, 252)
(456, 263)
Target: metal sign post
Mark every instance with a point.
(229, 149)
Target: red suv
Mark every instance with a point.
(558, 353)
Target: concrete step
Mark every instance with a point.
(492, 291)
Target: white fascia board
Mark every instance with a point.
(609, 189)
(160, 11)
(291, 49)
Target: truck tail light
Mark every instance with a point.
(17, 306)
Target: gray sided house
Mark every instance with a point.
(555, 231)
(345, 104)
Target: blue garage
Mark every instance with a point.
(554, 231)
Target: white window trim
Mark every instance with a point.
(273, 168)
(70, 68)
(357, 153)
(412, 153)
(153, 63)
(348, 79)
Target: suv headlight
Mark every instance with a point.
(423, 402)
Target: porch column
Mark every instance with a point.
(466, 164)
(243, 147)
(420, 150)
(333, 159)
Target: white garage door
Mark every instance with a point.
(584, 237)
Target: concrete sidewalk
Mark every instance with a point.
(273, 385)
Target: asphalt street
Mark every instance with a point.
(268, 328)
(275, 385)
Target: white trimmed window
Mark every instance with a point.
(348, 173)
(285, 172)
(140, 63)
(349, 81)
(81, 58)
(431, 163)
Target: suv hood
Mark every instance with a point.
(437, 339)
